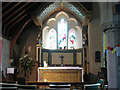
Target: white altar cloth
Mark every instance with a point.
(60, 68)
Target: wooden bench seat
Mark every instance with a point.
(27, 86)
(8, 88)
(16, 86)
(92, 86)
(72, 85)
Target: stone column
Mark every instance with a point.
(39, 47)
(112, 32)
(110, 21)
(95, 40)
(38, 54)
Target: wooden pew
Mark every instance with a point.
(72, 85)
(30, 87)
(16, 86)
(92, 86)
(8, 86)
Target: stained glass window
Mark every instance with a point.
(62, 34)
(52, 39)
(72, 39)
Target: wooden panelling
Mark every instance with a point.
(79, 58)
(68, 58)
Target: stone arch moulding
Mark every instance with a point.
(77, 26)
(43, 14)
(71, 20)
(62, 13)
(51, 19)
(45, 29)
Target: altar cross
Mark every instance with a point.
(61, 59)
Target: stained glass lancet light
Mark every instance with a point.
(62, 34)
(72, 39)
(52, 39)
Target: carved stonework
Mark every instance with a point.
(85, 35)
(39, 37)
(110, 25)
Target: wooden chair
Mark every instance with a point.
(92, 86)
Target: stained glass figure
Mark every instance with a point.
(72, 39)
(62, 34)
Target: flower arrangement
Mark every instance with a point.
(26, 64)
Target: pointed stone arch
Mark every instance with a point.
(79, 12)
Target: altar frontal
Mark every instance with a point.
(60, 74)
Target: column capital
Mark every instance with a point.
(38, 45)
(110, 25)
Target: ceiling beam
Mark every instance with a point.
(8, 3)
(8, 30)
(17, 21)
(15, 12)
(11, 8)
(17, 15)
(13, 41)
(15, 18)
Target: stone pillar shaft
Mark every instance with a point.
(112, 32)
(38, 55)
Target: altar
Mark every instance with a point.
(60, 74)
